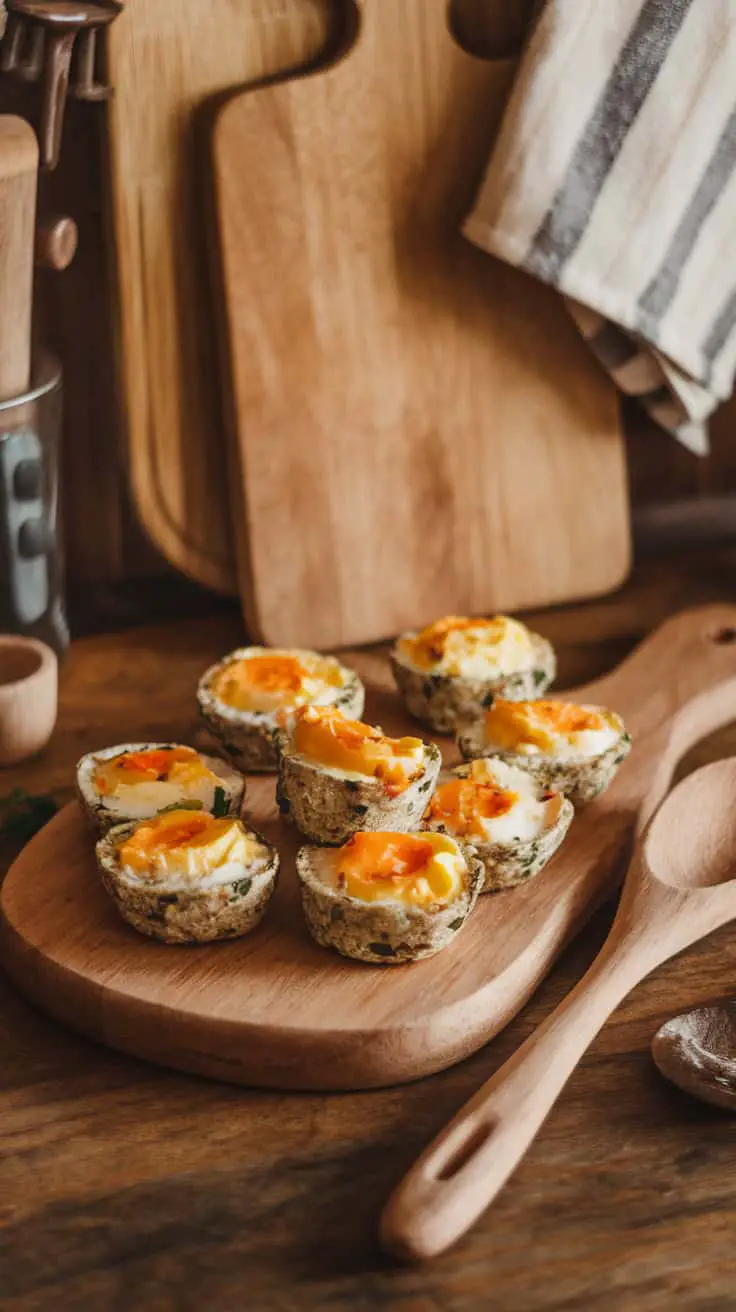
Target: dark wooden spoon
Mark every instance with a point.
(697, 1052)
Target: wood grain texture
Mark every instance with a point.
(679, 888)
(18, 186)
(274, 1009)
(405, 408)
(167, 58)
(123, 1185)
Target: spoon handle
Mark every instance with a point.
(461, 1172)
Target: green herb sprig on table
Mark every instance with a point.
(22, 814)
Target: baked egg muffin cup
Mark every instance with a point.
(328, 807)
(508, 864)
(166, 911)
(579, 778)
(444, 701)
(251, 739)
(381, 933)
(230, 783)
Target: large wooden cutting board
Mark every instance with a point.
(416, 428)
(275, 1009)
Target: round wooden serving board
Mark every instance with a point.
(273, 1009)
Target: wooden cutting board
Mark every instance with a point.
(168, 59)
(273, 1008)
(416, 428)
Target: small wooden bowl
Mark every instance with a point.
(29, 678)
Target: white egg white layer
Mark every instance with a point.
(315, 691)
(529, 816)
(526, 819)
(587, 743)
(139, 801)
(144, 800)
(227, 873)
(472, 655)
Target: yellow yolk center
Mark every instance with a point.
(417, 869)
(274, 681)
(327, 737)
(185, 842)
(171, 764)
(462, 805)
(461, 645)
(539, 724)
(260, 682)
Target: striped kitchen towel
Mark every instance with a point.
(613, 179)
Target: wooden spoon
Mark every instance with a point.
(697, 1052)
(679, 887)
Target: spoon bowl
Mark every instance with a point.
(697, 1052)
(691, 842)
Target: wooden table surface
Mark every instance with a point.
(125, 1187)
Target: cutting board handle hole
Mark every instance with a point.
(724, 636)
(494, 31)
(466, 1150)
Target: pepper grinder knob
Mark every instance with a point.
(57, 238)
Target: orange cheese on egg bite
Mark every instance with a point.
(416, 869)
(274, 680)
(549, 727)
(463, 804)
(327, 737)
(171, 764)
(184, 842)
(473, 647)
(260, 682)
(428, 647)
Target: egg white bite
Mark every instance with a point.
(388, 898)
(188, 876)
(574, 749)
(248, 698)
(337, 776)
(135, 781)
(451, 670)
(514, 825)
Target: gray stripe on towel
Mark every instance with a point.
(720, 331)
(661, 291)
(641, 58)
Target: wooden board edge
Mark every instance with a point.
(263, 1058)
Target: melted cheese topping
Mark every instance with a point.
(417, 870)
(495, 803)
(471, 648)
(266, 681)
(139, 784)
(550, 728)
(186, 843)
(353, 748)
(180, 765)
